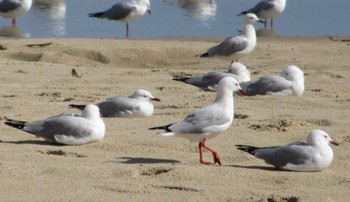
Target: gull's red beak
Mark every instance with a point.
(242, 92)
(334, 142)
(155, 99)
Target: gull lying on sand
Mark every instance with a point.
(237, 46)
(210, 80)
(125, 12)
(267, 9)
(14, 8)
(314, 155)
(291, 82)
(209, 121)
(139, 104)
(66, 128)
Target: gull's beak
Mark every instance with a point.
(261, 21)
(155, 99)
(242, 92)
(334, 142)
(149, 11)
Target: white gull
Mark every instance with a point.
(314, 155)
(209, 121)
(237, 46)
(66, 128)
(210, 80)
(139, 104)
(14, 8)
(291, 82)
(267, 9)
(125, 12)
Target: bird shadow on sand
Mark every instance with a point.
(256, 167)
(34, 142)
(142, 160)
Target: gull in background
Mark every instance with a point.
(125, 12)
(267, 9)
(314, 155)
(291, 82)
(139, 104)
(66, 128)
(14, 8)
(210, 80)
(209, 121)
(237, 46)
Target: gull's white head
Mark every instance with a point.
(91, 112)
(238, 68)
(251, 18)
(142, 94)
(296, 76)
(229, 84)
(319, 138)
(293, 73)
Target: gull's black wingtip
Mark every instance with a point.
(204, 55)
(77, 106)
(15, 123)
(182, 79)
(166, 128)
(95, 15)
(242, 13)
(246, 148)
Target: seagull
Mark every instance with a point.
(291, 82)
(136, 105)
(66, 128)
(210, 80)
(14, 8)
(125, 12)
(267, 9)
(209, 121)
(314, 155)
(237, 46)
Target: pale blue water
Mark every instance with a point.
(58, 18)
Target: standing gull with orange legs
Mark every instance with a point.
(14, 8)
(267, 9)
(209, 121)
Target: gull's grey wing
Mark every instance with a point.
(6, 6)
(229, 46)
(199, 120)
(282, 155)
(207, 82)
(268, 84)
(117, 106)
(118, 11)
(58, 125)
(261, 6)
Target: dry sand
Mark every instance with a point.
(134, 164)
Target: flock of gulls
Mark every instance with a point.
(72, 129)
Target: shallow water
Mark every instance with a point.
(58, 18)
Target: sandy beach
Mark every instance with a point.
(133, 163)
